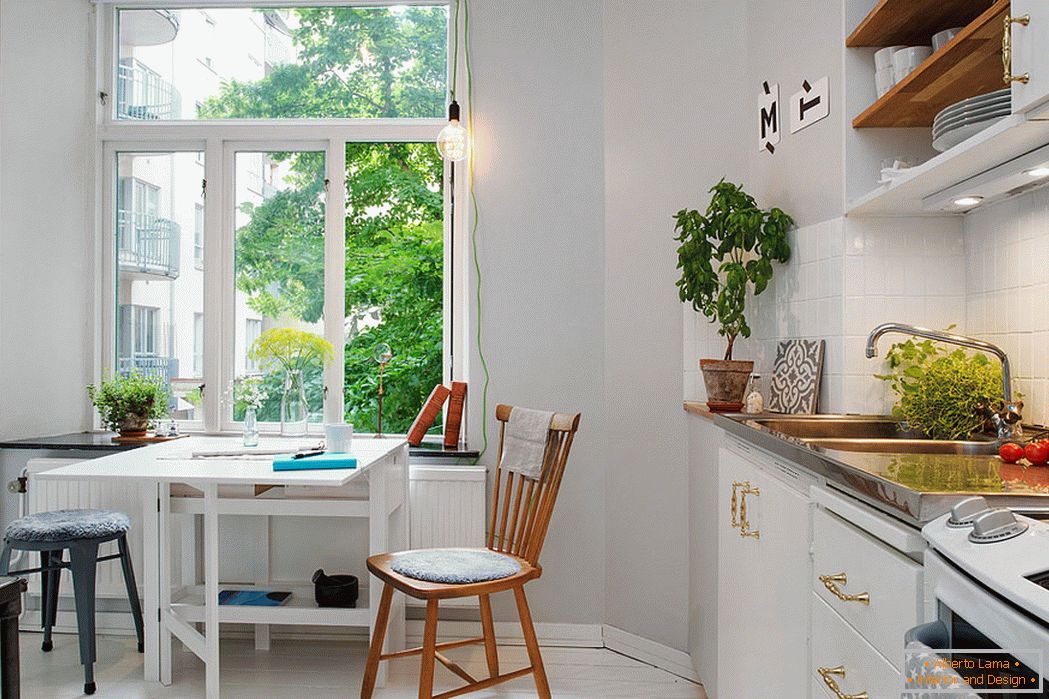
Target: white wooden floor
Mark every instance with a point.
(318, 670)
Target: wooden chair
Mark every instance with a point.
(521, 509)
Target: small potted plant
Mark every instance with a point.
(725, 252)
(292, 350)
(131, 403)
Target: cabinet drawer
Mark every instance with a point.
(892, 581)
(836, 644)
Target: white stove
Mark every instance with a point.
(1007, 553)
(987, 592)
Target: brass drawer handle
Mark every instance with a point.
(744, 523)
(829, 673)
(735, 504)
(831, 582)
(1007, 50)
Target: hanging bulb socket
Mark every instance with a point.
(452, 141)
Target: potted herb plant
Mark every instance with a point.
(131, 403)
(293, 351)
(726, 251)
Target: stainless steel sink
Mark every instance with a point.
(871, 434)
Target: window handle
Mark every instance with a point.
(201, 389)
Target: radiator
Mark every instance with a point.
(45, 495)
(447, 510)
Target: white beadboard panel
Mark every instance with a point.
(447, 510)
(48, 495)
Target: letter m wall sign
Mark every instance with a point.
(768, 117)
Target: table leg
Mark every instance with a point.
(378, 538)
(262, 576)
(211, 590)
(165, 531)
(150, 582)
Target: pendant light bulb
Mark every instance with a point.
(451, 142)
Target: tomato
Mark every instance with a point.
(1010, 453)
(1037, 453)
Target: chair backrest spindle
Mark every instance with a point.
(520, 516)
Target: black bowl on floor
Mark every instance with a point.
(334, 590)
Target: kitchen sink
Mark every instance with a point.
(871, 434)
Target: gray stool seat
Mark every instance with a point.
(455, 566)
(68, 525)
(81, 532)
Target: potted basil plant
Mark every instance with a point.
(130, 404)
(725, 252)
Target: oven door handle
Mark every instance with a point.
(934, 635)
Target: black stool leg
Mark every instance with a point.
(50, 575)
(132, 591)
(83, 559)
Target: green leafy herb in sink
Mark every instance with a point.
(937, 389)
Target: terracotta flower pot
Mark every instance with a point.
(134, 426)
(726, 381)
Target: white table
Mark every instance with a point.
(376, 490)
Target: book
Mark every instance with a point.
(331, 459)
(253, 598)
(454, 419)
(424, 420)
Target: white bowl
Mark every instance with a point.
(906, 60)
(883, 57)
(884, 80)
(940, 39)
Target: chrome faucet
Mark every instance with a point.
(1007, 419)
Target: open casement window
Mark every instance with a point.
(275, 168)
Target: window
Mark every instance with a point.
(160, 299)
(252, 332)
(198, 344)
(334, 223)
(198, 236)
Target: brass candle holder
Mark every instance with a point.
(382, 354)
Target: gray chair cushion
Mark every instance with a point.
(455, 566)
(67, 525)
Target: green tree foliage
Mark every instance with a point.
(356, 63)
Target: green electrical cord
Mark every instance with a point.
(476, 210)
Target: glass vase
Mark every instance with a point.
(251, 428)
(294, 413)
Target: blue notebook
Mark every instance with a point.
(253, 598)
(333, 459)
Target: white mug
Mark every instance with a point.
(337, 436)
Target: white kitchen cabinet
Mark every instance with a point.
(1030, 48)
(764, 570)
(843, 658)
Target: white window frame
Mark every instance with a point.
(219, 140)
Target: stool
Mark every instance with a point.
(80, 531)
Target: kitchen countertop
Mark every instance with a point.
(102, 441)
(916, 488)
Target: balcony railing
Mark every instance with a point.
(147, 244)
(148, 365)
(143, 94)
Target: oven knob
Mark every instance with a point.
(996, 525)
(963, 514)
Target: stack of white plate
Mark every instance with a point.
(968, 117)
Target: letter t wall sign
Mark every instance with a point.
(809, 105)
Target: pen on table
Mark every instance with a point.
(308, 454)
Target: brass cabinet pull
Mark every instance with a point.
(831, 582)
(744, 524)
(829, 673)
(1007, 50)
(735, 504)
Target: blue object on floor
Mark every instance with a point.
(455, 566)
(82, 532)
(334, 459)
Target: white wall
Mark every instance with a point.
(46, 149)
(539, 184)
(669, 135)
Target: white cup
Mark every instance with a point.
(883, 57)
(338, 436)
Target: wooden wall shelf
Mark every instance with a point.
(913, 22)
(968, 66)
